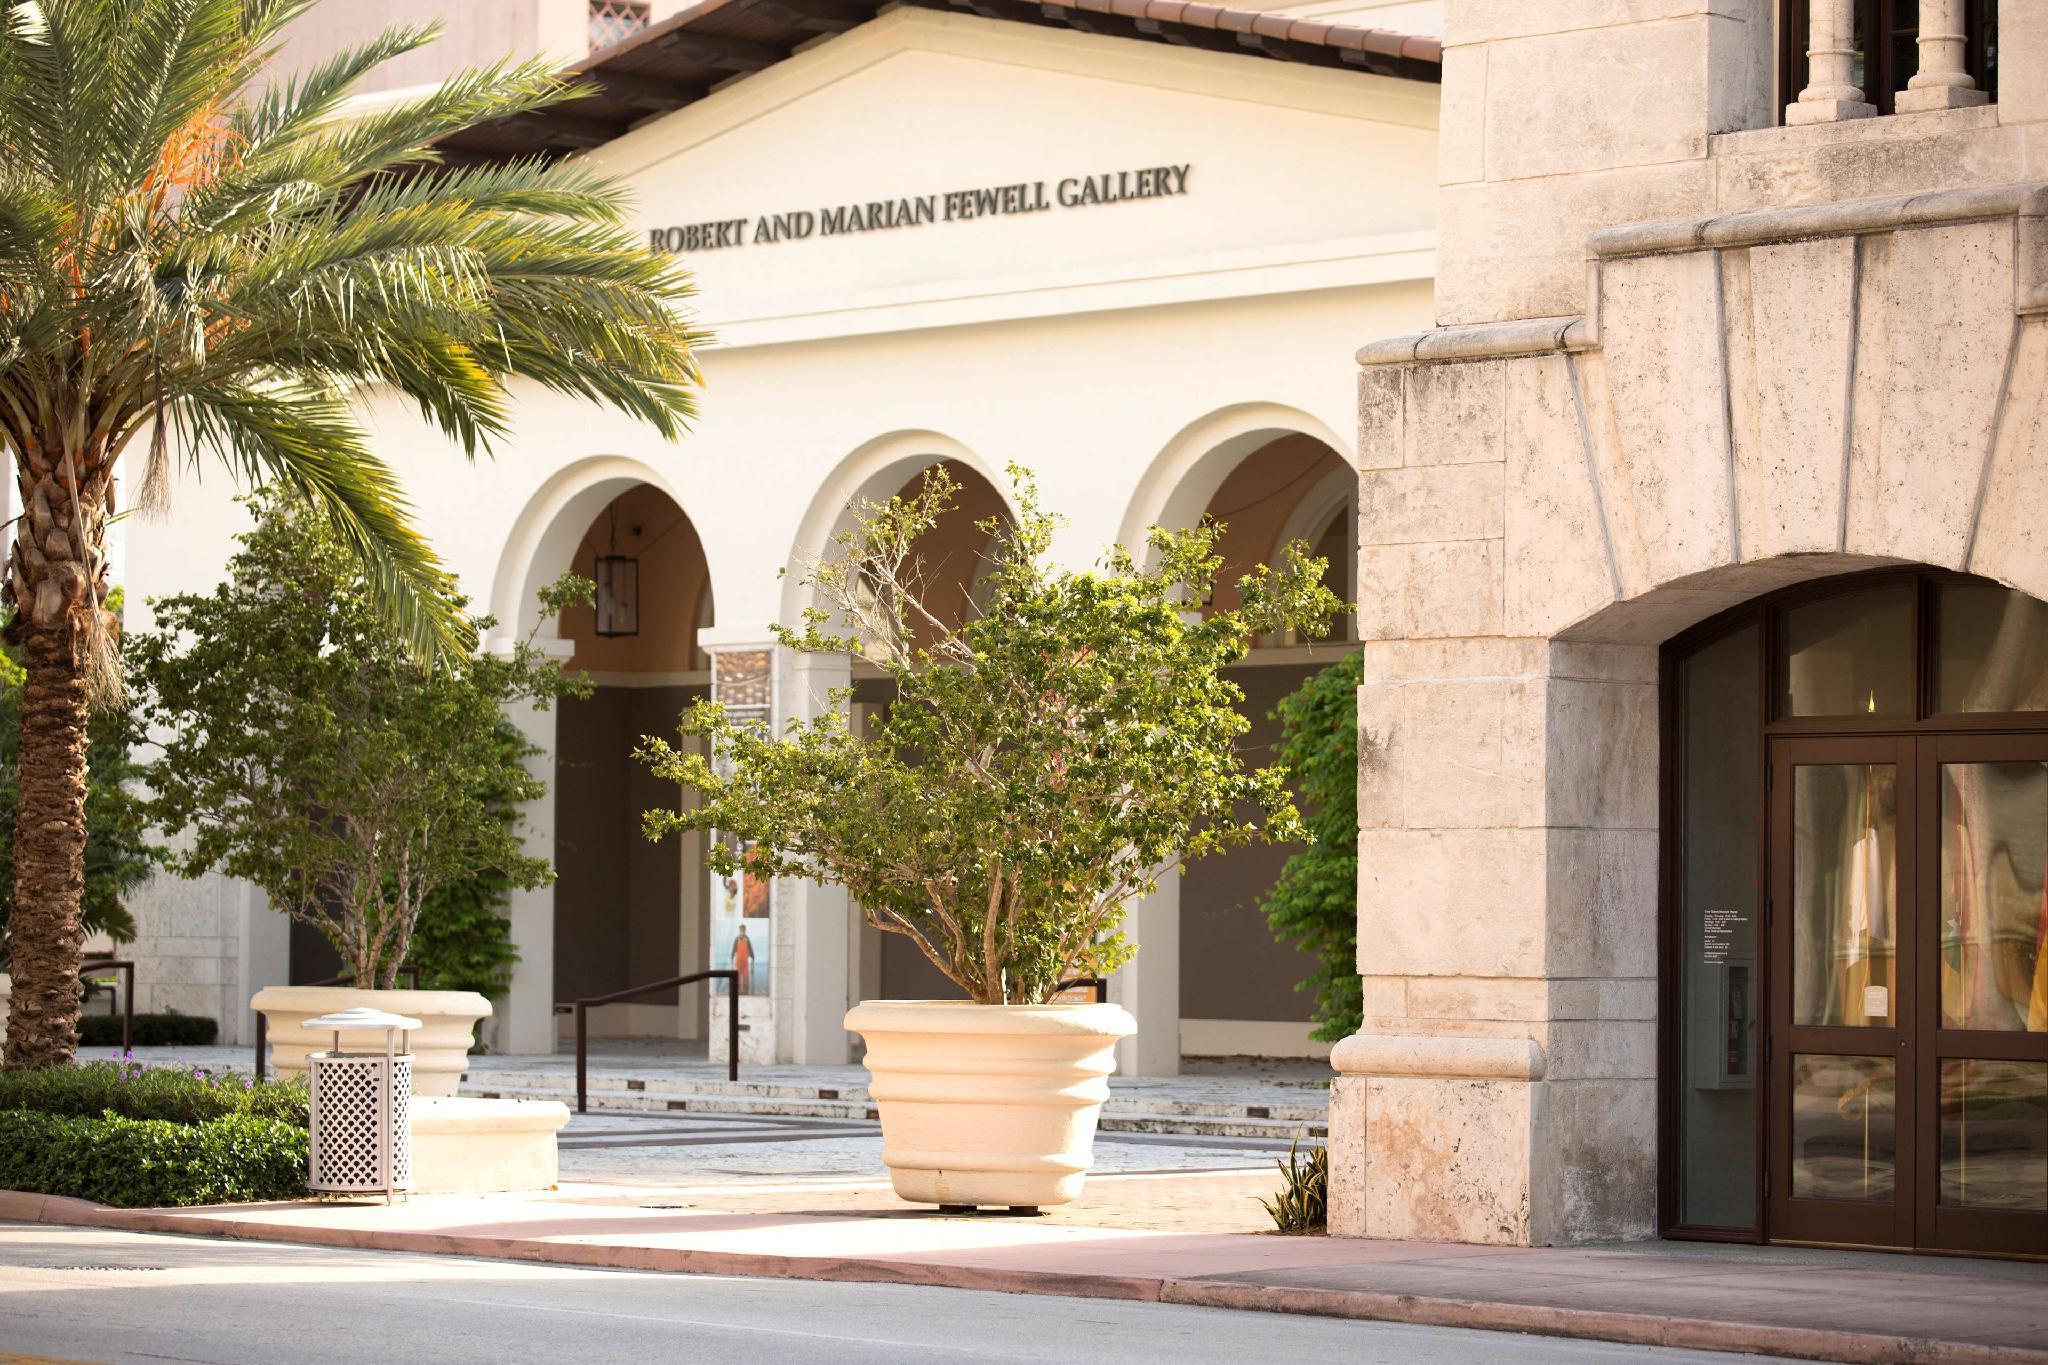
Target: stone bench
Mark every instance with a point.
(471, 1146)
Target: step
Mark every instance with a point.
(1127, 1117)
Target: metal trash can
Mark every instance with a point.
(361, 1108)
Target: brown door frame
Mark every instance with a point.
(1832, 1222)
(1938, 1227)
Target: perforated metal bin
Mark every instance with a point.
(361, 1108)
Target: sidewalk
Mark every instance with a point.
(1818, 1305)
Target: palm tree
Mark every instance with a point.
(200, 263)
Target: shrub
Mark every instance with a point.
(152, 1163)
(1314, 904)
(151, 1030)
(1303, 1202)
(166, 1093)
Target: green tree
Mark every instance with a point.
(193, 251)
(463, 941)
(1042, 764)
(1314, 904)
(308, 750)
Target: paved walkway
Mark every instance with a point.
(1816, 1305)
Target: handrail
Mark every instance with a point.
(127, 994)
(1072, 983)
(405, 969)
(732, 1024)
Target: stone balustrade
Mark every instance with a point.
(1832, 95)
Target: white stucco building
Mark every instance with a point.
(1106, 248)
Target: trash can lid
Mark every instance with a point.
(359, 1018)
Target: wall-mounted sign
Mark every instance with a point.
(949, 206)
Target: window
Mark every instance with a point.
(614, 21)
(1887, 47)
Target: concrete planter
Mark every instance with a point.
(440, 1047)
(988, 1104)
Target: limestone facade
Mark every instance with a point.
(1685, 356)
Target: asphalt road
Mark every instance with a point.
(81, 1295)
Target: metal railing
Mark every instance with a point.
(732, 1024)
(127, 994)
(408, 970)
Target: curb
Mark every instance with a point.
(1632, 1329)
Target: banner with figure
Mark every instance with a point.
(743, 904)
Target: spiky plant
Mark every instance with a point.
(200, 262)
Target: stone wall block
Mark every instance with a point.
(1485, 21)
(1789, 482)
(1948, 320)
(1457, 412)
(1558, 565)
(1654, 110)
(1601, 1049)
(1594, 1166)
(1457, 999)
(1382, 738)
(1602, 759)
(1461, 117)
(1380, 416)
(1446, 1160)
(2023, 59)
(1661, 319)
(1428, 504)
(1346, 1145)
(1473, 754)
(1466, 902)
(2011, 541)
(1449, 589)
(1831, 163)
(1602, 430)
(1517, 248)
(1601, 903)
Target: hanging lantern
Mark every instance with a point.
(618, 595)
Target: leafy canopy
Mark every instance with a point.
(189, 248)
(1041, 765)
(306, 749)
(1314, 904)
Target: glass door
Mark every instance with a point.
(1982, 1034)
(1840, 1054)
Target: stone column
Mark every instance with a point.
(1149, 984)
(525, 1018)
(1831, 95)
(1944, 80)
(815, 919)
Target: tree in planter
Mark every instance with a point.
(1042, 764)
(193, 250)
(1314, 904)
(306, 748)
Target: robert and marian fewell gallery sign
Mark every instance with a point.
(950, 206)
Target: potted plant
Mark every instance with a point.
(306, 749)
(1043, 764)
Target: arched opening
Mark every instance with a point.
(628, 911)
(1854, 985)
(1237, 981)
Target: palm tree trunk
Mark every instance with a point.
(56, 582)
(47, 930)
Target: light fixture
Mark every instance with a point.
(618, 589)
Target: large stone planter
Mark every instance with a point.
(988, 1104)
(440, 1046)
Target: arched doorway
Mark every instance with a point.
(626, 910)
(1855, 917)
(1238, 982)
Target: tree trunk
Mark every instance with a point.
(56, 582)
(47, 930)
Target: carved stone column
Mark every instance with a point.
(1831, 94)
(1944, 80)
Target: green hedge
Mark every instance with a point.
(151, 1163)
(151, 1030)
(136, 1092)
